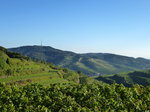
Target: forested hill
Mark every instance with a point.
(18, 69)
(127, 79)
(91, 63)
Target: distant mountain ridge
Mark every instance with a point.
(89, 63)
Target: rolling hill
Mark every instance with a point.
(127, 79)
(27, 85)
(90, 63)
(18, 69)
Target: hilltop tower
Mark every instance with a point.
(41, 43)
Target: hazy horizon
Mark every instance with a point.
(82, 26)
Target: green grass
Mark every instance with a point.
(23, 77)
(42, 78)
(52, 81)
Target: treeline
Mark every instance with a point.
(13, 54)
(74, 98)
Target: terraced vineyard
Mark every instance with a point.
(43, 78)
(34, 86)
(21, 70)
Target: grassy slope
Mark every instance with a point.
(87, 63)
(128, 79)
(15, 68)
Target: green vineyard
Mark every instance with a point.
(74, 98)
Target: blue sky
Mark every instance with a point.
(112, 26)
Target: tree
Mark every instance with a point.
(9, 72)
(8, 61)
